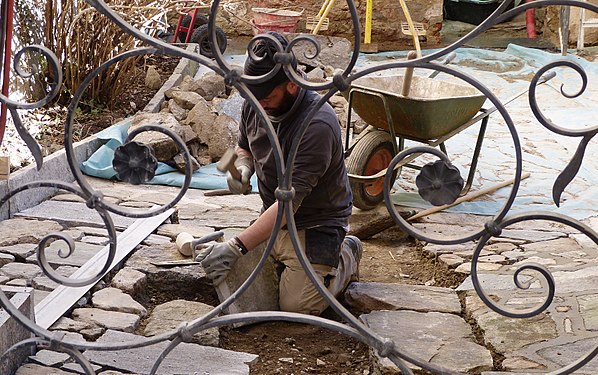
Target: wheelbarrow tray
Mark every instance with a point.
(432, 109)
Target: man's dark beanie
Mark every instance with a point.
(259, 68)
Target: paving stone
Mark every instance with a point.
(184, 359)
(435, 250)
(514, 255)
(533, 236)
(95, 240)
(34, 369)
(19, 251)
(68, 324)
(560, 245)
(493, 282)
(442, 339)
(577, 281)
(168, 316)
(114, 299)
(447, 231)
(499, 259)
(19, 282)
(76, 368)
(517, 363)
(155, 239)
(43, 282)
(92, 334)
(6, 258)
(468, 254)
(566, 353)
(81, 254)
(505, 334)
(451, 260)
(94, 231)
(588, 309)
(73, 233)
(17, 270)
(14, 231)
(481, 267)
(500, 247)
(49, 358)
(107, 319)
(380, 296)
(73, 214)
(4, 279)
(130, 281)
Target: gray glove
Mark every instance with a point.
(217, 260)
(239, 187)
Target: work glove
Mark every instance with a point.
(218, 259)
(239, 187)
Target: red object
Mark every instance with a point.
(279, 20)
(530, 21)
(185, 29)
(6, 66)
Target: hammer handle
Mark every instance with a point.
(234, 171)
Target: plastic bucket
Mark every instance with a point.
(279, 17)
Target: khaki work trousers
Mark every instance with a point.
(296, 291)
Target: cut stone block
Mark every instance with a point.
(184, 359)
(33, 369)
(129, 280)
(380, 296)
(114, 299)
(21, 271)
(261, 295)
(19, 251)
(168, 316)
(12, 331)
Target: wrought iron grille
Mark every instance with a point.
(341, 81)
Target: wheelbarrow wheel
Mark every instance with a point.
(202, 37)
(370, 155)
(200, 20)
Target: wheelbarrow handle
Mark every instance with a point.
(547, 77)
(450, 57)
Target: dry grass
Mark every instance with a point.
(83, 39)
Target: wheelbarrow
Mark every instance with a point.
(432, 112)
(192, 27)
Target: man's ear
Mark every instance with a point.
(292, 88)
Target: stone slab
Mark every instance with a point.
(261, 295)
(20, 271)
(442, 339)
(380, 296)
(73, 214)
(566, 353)
(588, 309)
(14, 231)
(184, 359)
(35, 369)
(49, 358)
(107, 319)
(113, 299)
(20, 251)
(169, 316)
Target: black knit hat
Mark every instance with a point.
(258, 68)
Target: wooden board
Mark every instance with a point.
(4, 167)
(60, 300)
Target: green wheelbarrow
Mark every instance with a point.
(431, 112)
(428, 111)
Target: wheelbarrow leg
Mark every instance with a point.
(476, 155)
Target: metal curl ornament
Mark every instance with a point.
(439, 182)
(135, 162)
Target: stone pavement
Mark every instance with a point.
(450, 328)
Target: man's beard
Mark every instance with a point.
(285, 105)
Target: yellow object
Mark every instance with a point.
(367, 39)
(411, 28)
(322, 16)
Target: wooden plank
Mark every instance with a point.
(51, 308)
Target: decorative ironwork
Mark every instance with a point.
(341, 81)
(439, 182)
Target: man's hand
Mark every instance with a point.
(217, 260)
(239, 187)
